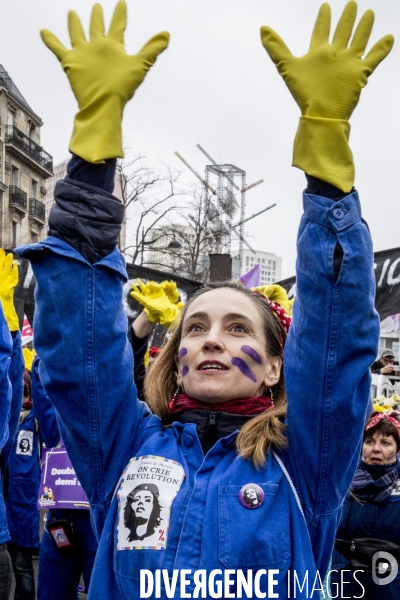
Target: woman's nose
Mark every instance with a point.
(213, 342)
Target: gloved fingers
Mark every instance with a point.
(13, 268)
(118, 22)
(378, 52)
(274, 45)
(2, 259)
(345, 25)
(154, 47)
(97, 22)
(53, 44)
(153, 288)
(180, 305)
(75, 29)
(142, 286)
(362, 33)
(139, 298)
(171, 290)
(322, 27)
(135, 289)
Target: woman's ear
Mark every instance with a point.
(272, 371)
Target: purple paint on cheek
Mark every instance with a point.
(182, 352)
(185, 370)
(252, 353)
(243, 368)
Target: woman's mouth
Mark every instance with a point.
(212, 366)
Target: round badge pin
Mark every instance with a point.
(251, 496)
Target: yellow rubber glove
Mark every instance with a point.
(157, 305)
(29, 355)
(103, 78)
(171, 290)
(276, 293)
(326, 84)
(8, 281)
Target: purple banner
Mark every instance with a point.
(59, 485)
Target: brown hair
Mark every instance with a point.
(385, 427)
(260, 434)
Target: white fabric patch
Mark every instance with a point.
(25, 443)
(396, 490)
(148, 487)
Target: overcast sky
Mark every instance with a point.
(216, 86)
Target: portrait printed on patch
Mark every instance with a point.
(147, 490)
(25, 442)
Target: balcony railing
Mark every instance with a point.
(37, 209)
(17, 197)
(22, 141)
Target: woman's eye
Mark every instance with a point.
(195, 327)
(237, 328)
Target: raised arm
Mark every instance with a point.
(334, 333)
(80, 325)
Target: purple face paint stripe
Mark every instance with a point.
(182, 352)
(185, 370)
(252, 353)
(244, 368)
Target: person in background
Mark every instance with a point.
(161, 304)
(11, 390)
(23, 475)
(385, 364)
(60, 571)
(371, 511)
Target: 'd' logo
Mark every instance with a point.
(387, 565)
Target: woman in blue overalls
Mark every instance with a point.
(227, 352)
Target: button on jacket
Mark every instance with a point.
(80, 334)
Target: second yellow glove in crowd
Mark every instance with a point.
(160, 301)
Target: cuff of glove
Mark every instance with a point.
(321, 148)
(97, 134)
(10, 314)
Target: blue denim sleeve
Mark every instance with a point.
(333, 340)
(86, 363)
(43, 409)
(5, 386)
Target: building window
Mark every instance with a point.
(34, 237)
(15, 233)
(274, 265)
(35, 189)
(15, 176)
(11, 117)
(258, 260)
(263, 260)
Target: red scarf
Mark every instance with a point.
(240, 406)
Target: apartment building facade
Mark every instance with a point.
(24, 168)
(270, 265)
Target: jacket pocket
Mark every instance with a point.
(253, 538)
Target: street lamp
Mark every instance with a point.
(173, 245)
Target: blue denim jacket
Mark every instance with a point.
(80, 334)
